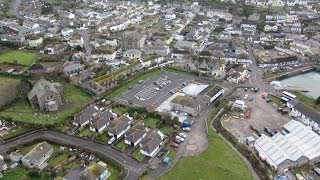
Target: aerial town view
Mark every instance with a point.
(160, 89)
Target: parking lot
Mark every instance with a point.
(263, 115)
(155, 90)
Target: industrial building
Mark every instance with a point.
(296, 145)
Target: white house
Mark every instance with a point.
(248, 25)
(170, 16)
(3, 165)
(66, 32)
(111, 42)
(151, 143)
(305, 114)
(102, 120)
(277, 3)
(135, 134)
(35, 42)
(119, 126)
(270, 27)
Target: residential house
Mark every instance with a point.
(305, 114)
(135, 134)
(46, 95)
(85, 116)
(102, 120)
(17, 39)
(151, 143)
(15, 156)
(247, 25)
(221, 13)
(119, 126)
(179, 53)
(132, 54)
(243, 59)
(53, 49)
(277, 3)
(73, 69)
(66, 32)
(34, 41)
(170, 16)
(212, 93)
(37, 156)
(95, 171)
(270, 27)
(3, 165)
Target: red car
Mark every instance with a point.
(172, 144)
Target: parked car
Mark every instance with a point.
(182, 135)
(250, 98)
(245, 89)
(131, 87)
(245, 97)
(155, 83)
(160, 154)
(188, 129)
(317, 170)
(140, 81)
(177, 141)
(256, 89)
(111, 140)
(252, 89)
(268, 100)
(180, 138)
(175, 145)
(172, 91)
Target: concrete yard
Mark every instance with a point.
(146, 93)
(263, 115)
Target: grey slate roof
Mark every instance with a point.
(135, 133)
(102, 119)
(151, 141)
(307, 111)
(120, 124)
(41, 87)
(84, 115)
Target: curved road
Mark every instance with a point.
(134, 169)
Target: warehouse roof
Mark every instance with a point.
(298, 142)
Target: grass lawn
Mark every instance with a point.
(270, 75)
(58, 158)
(103, 137)
(16, 132)
(275, 100)
(121, 145)
(137, 155)
(7, 93)
(119, 110)
(86, 132)
(20, 57)
(22, 173)
(306, 99)
(172, 152)
(151, 122)
(25, 149)
(167, 130)
(217, 162)
(114, 172)
(74, 101)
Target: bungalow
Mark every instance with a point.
(120, 126)
(102, 120)
(85, 116)
(37, 156)
(135, 134)
(151, 143)
(305, 114)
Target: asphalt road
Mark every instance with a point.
(134, 169)
(14, 7)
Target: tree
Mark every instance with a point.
(247, 11)
(24, 87)
(46, 8)
(317, 100)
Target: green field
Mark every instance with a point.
(74, 101)
(19, 57)
(306, 100)
(219, 161)
(275, 100)
(151, 122)
(22, 173)
(8, 91)
(137, 155)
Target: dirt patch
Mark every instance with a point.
(263, 115)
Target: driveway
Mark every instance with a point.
(133, 168)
